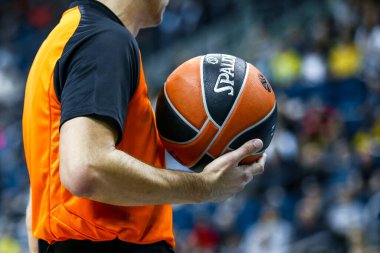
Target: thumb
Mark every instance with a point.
(247, 149)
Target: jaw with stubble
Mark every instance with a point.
(137, 14)
(153, 10)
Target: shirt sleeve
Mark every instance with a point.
(101, 76)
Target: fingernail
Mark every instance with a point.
(256, 143)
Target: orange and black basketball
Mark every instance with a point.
(213, 104)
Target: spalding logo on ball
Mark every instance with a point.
(213, 104)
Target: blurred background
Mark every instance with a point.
(320, 192)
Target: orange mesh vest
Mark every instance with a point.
(56, 214)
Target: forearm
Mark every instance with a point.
(91, 167)
(120, 179)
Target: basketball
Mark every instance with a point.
(213, 104)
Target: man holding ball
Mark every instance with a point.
(94, 156)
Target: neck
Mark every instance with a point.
(127, 12)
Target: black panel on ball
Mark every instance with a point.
(201, 164)
(263, 131)
(170, 125)
(223, 77)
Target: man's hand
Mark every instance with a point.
(225, 177)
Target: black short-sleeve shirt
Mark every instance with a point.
(98, 71)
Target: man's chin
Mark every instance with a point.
(154, 23)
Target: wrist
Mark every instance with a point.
(203, 187)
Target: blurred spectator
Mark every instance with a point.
(345, 216)
(204, 238)
(309, 217)
(9, 245)
(344, 60)
(286, 67)
(270, 234)
(371, 213)
(314, 69)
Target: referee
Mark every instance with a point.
(94, 157)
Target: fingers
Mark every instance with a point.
(233, 158)
(247, 149)
(257, 167)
